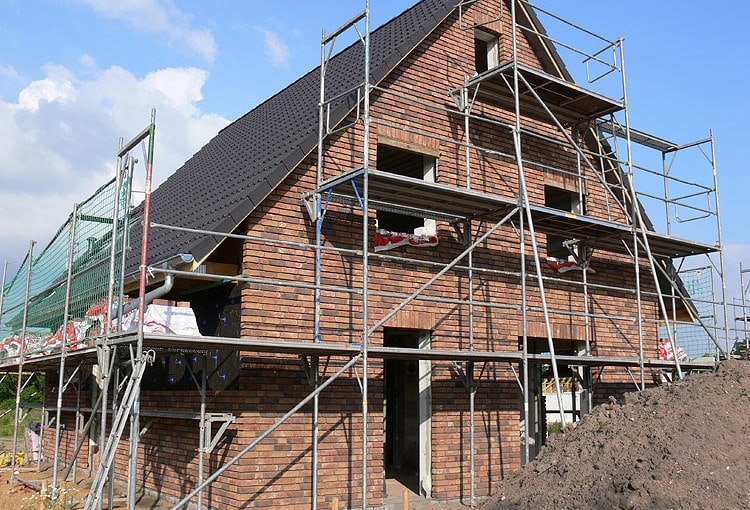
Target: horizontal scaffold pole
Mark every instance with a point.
(211, 479)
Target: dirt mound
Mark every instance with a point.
(679, 446)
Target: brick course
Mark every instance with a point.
(277, 473)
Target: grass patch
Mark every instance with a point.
(554, 427)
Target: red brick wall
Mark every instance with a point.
(68, 437)
(428, 73)
(277, 473)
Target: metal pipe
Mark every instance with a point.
(315, 432)
(744, 309)
(77, 427)
(30, 260)
(440, 273)
(318, 253)
(721, 243)
(138, 138)
(524, 202)
(587, 325)
(365, 251)
(135, 425)
(472, 445)
(105, 349)
(525, 339)
(470, 260)
(567, 22)
(211, 479)
(2, 290)
(470, 256)
(323, 67)
(144, 238)
(638, 221)
(43, 425)
(522, 234)
(79, 444)
(64, 351)
(348, 290)
(348, 24)
(140, 358)
(635, 221)
(115, 377)
(202, 439)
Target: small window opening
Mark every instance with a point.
(485, 51)
(563, 200)
(408, 164)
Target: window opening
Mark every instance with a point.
(562, 200)
(486, 53)
(408, 164)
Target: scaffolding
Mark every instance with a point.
(86, 273)
(741, 315)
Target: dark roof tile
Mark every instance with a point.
(234, 172)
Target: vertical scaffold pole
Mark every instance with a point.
(637, 221)
(105, 349)
(30, 259)
(721, 245)
(2, 297)
(139, 356)
(470, 260)
(524, 202)
(365, 255)
(744, 308)
(2, 290)
(204, 434)
(64, 352)
(318, 239)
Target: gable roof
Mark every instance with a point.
(219, 186)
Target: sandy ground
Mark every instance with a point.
(681, 446)
(31, 483)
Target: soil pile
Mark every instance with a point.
(678, 446)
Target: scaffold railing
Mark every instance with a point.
(85, 260)
(81, 248)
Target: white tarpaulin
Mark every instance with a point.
(163, 319)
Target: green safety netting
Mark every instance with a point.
(88, 233)
(695, 338)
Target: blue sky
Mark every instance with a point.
(75, 75)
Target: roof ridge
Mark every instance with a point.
(337, 55)
(225, 180)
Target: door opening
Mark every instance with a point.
(407, 413)
(545, 413)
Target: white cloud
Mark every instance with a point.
(181, 85)
(162, 17)
(9, 72)
(60, 141)
(276, 50)
(87, 61)
(48, 90)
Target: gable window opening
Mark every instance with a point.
(486, 51)
(397, 229)
(562, 251)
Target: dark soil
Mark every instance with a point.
(678, 446)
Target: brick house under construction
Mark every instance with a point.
(399, 278)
